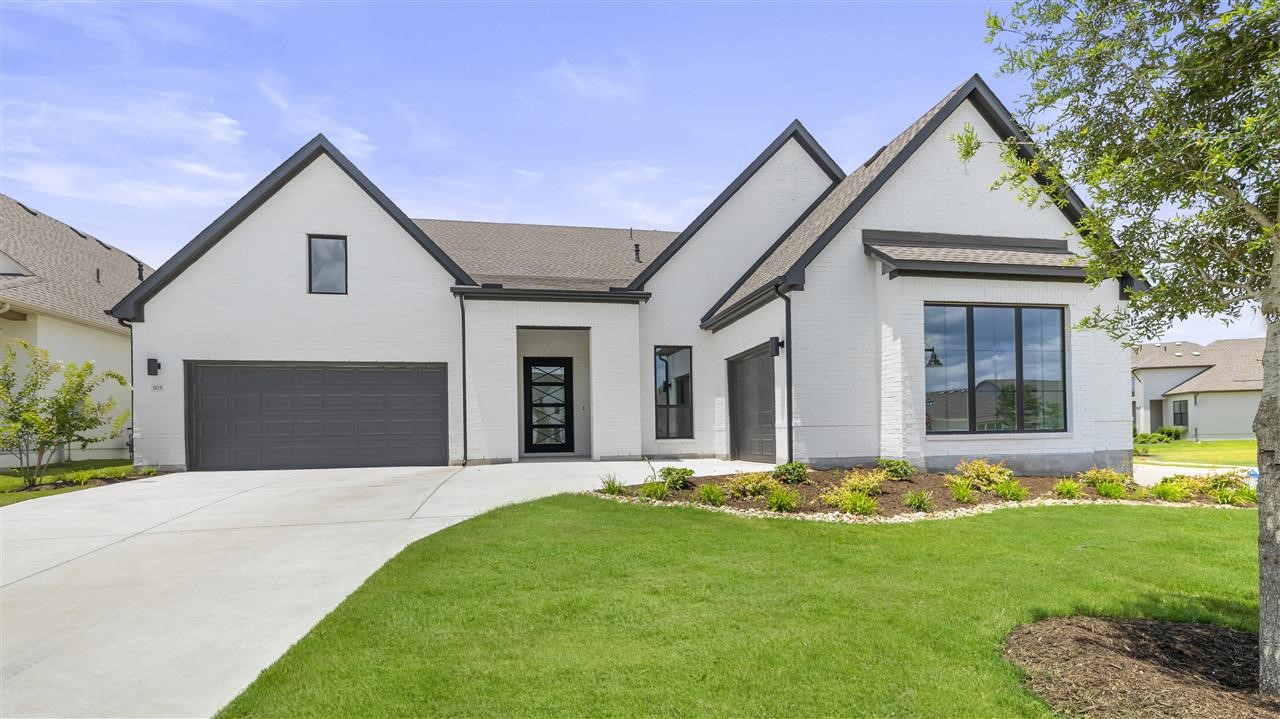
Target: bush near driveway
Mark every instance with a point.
(574, 606)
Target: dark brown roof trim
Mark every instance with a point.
(131, 307)
(765, 255)
(937, 268)
(895, 238)
(991, 109)
(745, 306)
(516, 294)
(794, 130)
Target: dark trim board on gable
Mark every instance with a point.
(131, 307)
(794, 130)
(890, 238)
(516, 294)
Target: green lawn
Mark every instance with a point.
(78, 470)
(574, 606)
(1236, 452)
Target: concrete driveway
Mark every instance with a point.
(167, 596)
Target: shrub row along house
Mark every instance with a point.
(902, 309)
(1211, 391)
(54, 282)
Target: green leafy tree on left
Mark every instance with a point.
(36, 420)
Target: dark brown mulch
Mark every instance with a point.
(1134, 668)
(890, 500)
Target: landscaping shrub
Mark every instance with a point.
(920, 500)
(1095, 476)
(961, 490)
(1151, 438)
(1111, 490)
(792, 473)
(751, 486)
(1246, 496)
(610, 484)
(1223, 495)
(1139, 451)
(653, 490)
(1231, 479)
(865, 481)
(1010, 489)
(1171, 491)
(712, 494)
(783, 499)
(149, 471)
(675, 477)
(849, 501)
(897, 469)
(983, 475)
(1172, 432)
(1068, 489)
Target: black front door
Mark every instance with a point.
(548, 401)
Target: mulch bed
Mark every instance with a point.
(892, 492)
(95, 482)
(1132, 668)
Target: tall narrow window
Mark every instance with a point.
(994, 369)
(327, 264)
(1180, 413)
(673, 392)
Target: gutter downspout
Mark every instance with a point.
(462, 311)
(133, 417)
(786, 300)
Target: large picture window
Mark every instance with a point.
(673, 392)
(994, 369)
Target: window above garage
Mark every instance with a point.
(327, 264)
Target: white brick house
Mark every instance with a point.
(903, 309)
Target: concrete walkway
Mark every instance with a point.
(167, 596)
(1149, 475)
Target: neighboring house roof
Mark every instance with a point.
(1237, 367)
(71, 274)
(548, 256)
(795, 131)
(1169, 354)
(784, 264)
(131, 307)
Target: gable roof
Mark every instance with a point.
(131, 307)
(795, 131)
(930, 253)
(1232, 365)
(785, 262)
(68, 273)
(560, 257)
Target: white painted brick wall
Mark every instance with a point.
(493, 389)
(691, 282)
(859, 388)
(247, 299)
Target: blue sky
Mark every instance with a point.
(141, 123)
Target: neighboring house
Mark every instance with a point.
(56, 284)
(804, 314)
(1212, 390)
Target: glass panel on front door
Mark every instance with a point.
(548, 393)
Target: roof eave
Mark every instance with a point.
(517, 294)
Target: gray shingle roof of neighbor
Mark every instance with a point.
(1237, 367)
(528, 256)
(64, 266)
(1169, 354)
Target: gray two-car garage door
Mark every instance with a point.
(284, 415)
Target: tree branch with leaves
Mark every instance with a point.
(1168, 115)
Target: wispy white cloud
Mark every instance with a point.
(309, 115)
(621, 191)
(598, 82)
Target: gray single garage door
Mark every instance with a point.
(751, 432)
(285, 415)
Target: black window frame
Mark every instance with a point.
(1185, 407)
(659, 407)
(972, 394)
(346, 265)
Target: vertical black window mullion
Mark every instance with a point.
(973, 397)
(1017, 361)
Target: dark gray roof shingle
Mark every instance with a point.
(64, 267)
(1236, 367)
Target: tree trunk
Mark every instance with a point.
(1266, 425)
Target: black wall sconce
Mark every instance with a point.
(775, 346)
(153, 366)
